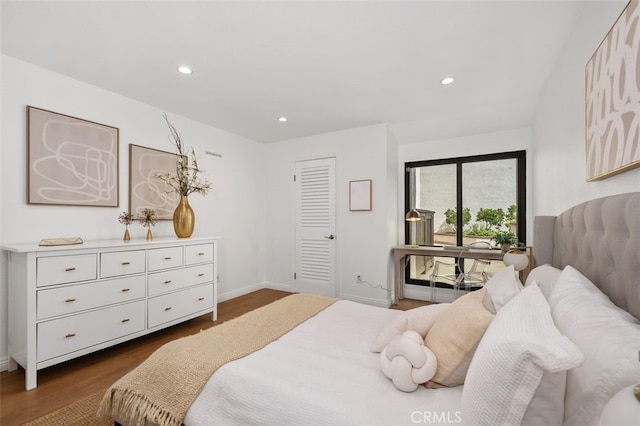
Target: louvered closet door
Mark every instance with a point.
(315, 264)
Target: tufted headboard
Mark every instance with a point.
(601, 239)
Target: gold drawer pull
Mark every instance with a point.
(70, 335)
(200, 254)
(124, 290)
(70, 269)
(126, 263)
(200, 299)
(167, 282)
(71, 299)
(167, 309)
(201, 275)
(126, 320)
(167, 258)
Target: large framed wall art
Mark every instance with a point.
(145, 189)
(71, 161)
(612, 99)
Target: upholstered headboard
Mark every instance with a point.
(601, 239)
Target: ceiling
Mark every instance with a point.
(326, 66)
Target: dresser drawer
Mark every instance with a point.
(164, 258)
(162, 282)
(65, 335)
(66, 269)
(198, 254)
(122, 263)
(80, 297)
(172, 306)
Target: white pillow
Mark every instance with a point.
(419, 320)
(545, 276)
(609, 338)
(506, 373)
(503, 286)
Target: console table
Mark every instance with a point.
(400, 252)
(68, 301)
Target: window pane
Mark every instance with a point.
(436, 192)
(489, 191)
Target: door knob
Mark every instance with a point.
(330, 237)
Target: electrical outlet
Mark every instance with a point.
(359, 278)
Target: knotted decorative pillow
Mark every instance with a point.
(408, 362)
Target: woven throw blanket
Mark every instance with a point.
(164, 386)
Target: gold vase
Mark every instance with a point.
(149, 235)
(126, 237)
(184, 219)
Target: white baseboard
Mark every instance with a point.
(4, 363)
(367, 300)
(284, 287)
(249, 289)
(277, 286)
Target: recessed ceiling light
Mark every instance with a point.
(185, 69)
(282, 119)
(447, 80)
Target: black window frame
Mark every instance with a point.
(521, 192)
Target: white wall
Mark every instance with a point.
(228, 211)
(558, 130)
(362, 238)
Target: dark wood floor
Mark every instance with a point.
(65, 383)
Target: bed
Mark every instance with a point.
(322, 370)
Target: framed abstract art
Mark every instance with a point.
(71, 161)
(612, 99)
(145, 189)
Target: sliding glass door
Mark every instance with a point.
(464, 202)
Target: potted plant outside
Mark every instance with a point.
(505, 239)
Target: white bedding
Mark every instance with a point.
(322, 372)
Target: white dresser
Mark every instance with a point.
(67, 301)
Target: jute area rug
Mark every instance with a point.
(80, 413)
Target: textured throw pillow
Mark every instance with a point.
(503, 286)
(454, 336)
(609, 338)
(419, 320)
(545, 276)
(519, 364)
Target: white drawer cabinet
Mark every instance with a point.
(62, 300)
(118, 263)
(67, 301)
(198, 253)
(171, 306)
(162, 282)
(164, 258)
(69, 334)
(66, 269)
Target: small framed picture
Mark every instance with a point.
(360, 195)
